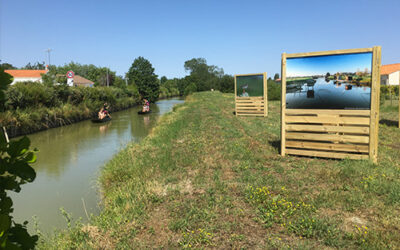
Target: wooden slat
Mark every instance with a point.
(328, 146)
(331, 52)
(327, 111)
(328, 137)
(326, 154)
(250, 98)
(327, 119)
(327, 128)
(255, 74)
(252, 114)
(250, 111)
(250, 108)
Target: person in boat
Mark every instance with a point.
(146, 106)
(103, 113)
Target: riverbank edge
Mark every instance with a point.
(55, 122)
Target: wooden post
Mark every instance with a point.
(265, 95)
(283, 104)
(236, 114)
(375, 89)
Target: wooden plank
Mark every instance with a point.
(328, 137)
(326, 154)
(327, 128)
(254, 74)
(244, 114)
(251, 111)
(251, 105)
(330, 52)
(250, 108)
(328, 111)
(283, 104)
(250, 98)
(328, 146)
(265, 94)
(328, 119)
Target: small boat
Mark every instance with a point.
(105, 119)
(143, 113)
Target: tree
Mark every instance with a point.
(276, 76)
(36, 66)
(191, 88)
(204, 76)
(142, 73)
(163, 80)
(327, 75)
(7, 66)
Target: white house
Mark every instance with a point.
(390, 74)
(23, 75)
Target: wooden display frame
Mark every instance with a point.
(252, 106)
(332, 133)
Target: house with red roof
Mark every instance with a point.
(24, 75)
(390, 74)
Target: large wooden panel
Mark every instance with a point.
(252, 106)
(332, 133)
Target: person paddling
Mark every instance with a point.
(103, 113)
(146, 106)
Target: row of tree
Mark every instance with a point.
(141, 74)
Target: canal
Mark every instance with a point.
(69, 162)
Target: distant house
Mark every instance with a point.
(24, 75)
(81, 81)
(390, 74)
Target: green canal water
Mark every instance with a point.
(69, 162)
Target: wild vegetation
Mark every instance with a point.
(32, 106)
(236, 191)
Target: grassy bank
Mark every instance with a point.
(205, 178)
(31, 106)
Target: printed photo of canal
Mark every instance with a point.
(250, 85)
(329, 82)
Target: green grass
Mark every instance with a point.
(205, 178)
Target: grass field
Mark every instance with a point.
(205, 178)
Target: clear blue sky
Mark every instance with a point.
(239, 36)
(320, 65)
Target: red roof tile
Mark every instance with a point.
(25, 72)
(390, 68)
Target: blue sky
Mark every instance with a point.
(239, 36)
(320, 65)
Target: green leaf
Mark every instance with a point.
(23, 170)
(6, 205)
(19, 234)
(5, 223)
(30, 157)
(19, 147)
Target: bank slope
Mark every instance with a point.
(205, 178)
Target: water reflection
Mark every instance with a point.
(69, 160)
(323, 93)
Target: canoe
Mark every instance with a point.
(105, 119)
(143, 113)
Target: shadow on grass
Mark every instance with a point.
(389, 123)
(276, 144)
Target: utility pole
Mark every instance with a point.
(48, 55)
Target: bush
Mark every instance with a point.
(274, 90)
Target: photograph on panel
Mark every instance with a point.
(329, 82)
(250, 85)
